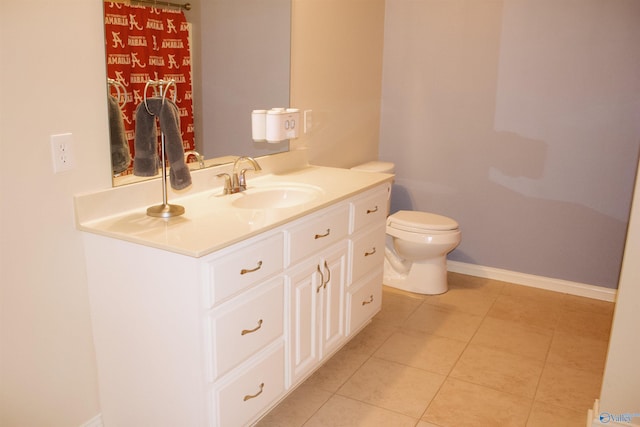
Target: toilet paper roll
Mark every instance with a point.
(259, 125)
(275, 131)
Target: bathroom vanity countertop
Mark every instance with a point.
(210, 221)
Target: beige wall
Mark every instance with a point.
(336, 72)
(52, 81)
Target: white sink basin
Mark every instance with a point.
(276, 197)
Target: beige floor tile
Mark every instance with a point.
(527, 311)
(422, 350)
(534, 294)
(499, 370)
(585, 324)
(340, 411)
(396, 308)
(446, 323)
(578, 352)
(396, 366)
(514, 337)
(402, 292)
(297, 408)
(473, 283)
(568, 387)
(392, 386)
(549, 416)
(337, 370)
(371, 337)
(576, 303)
(464, 299)
(461, 404)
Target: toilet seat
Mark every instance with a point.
(421, 222)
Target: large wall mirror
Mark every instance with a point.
(240, 61)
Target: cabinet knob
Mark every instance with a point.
(374, 210)
(373, 251)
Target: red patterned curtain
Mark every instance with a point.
(146, 43)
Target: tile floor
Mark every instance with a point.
(486, 353)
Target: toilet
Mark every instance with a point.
(417, 245)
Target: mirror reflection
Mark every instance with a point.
(233, 58)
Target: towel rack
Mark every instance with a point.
(158, 90)
(165, 210)
(121, 96)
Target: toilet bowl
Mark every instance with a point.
(417, 246)
(416, 260)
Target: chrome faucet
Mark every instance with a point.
(197, 155)
(237, 182)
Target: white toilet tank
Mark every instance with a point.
(376, 166)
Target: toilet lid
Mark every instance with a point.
(417, 221)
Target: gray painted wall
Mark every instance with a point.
(521, 120)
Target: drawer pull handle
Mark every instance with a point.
(369, 301)
(321, 279)
(370, 253)
(248, 331)
(251, 270)
(252, 396)
(320, 236)
(328, 275)
(374, 210)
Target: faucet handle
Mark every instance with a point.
(227, 183)
(242, 180)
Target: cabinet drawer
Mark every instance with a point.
(369, 209)
(247, 395)
(311, 236)
(240, 330)
(244, 267)
(367, 252)
(364, 302)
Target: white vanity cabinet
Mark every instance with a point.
(218, 340)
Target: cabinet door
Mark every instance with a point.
(317, 309)
(332, 326)
(305, 300)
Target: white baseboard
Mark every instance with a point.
(94, 422)
(558, 285)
